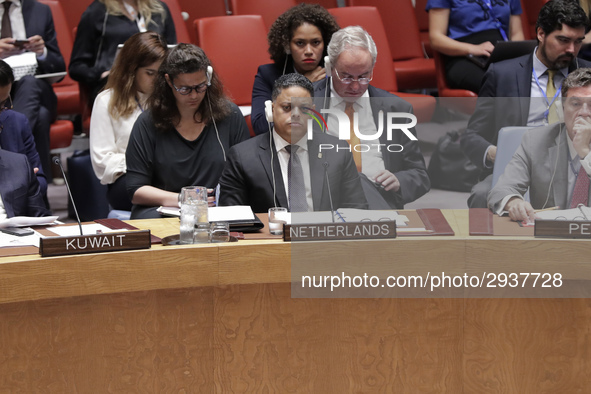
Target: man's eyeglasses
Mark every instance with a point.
(186, 90)
(6, 104)
(348, 80)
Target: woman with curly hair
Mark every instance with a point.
(297, 43)
(184, 136)
(117, 107)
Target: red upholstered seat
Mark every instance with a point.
(269, 10)
(61, 133)
(182, 33)
(384, 75)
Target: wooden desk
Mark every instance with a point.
(220, 318)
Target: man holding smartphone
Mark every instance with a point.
(27, 25)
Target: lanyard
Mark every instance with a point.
(497, 22)
(548, 104)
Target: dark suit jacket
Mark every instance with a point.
(510, 81)
(19, 187)
(38, 21)
(261, 92)
(247, 177)
(408, 165)
(16, 136)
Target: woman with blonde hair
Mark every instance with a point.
(103, 26)
(117, 107)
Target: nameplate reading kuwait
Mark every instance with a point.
(563, 229)
(95, 243)
(339, 231)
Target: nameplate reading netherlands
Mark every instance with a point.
(563, 229)
(95, 243)
(339, 231)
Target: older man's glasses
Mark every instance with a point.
(186, 90)
(349, 80)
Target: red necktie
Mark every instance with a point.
(581, 191)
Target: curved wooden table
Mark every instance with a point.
(220, 318)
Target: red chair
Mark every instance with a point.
(182, 33)
(201, 9)
(457, 99)
(423, 21)
(384, 75)
(532, 9)
(67, 91)
(269, 10)
(236, 46)
(527, 33)
(413, 70)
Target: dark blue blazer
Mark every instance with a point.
(19, 187)
(503, 100)
(247, 178)
(261, 92)
(38, 21)
(16, 136)
(408, 165)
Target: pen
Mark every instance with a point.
(547, 209)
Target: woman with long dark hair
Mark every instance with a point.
(184, 136)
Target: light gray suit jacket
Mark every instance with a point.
(540, 163)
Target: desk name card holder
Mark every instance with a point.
(339, 231)
(94, 243)
(562, 229)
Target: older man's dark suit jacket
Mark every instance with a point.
(408, 165)
(503, 101)
(19, 187)
(247, 178)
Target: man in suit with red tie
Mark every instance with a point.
(554, 162)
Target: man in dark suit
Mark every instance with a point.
(513, 92)
(394, 173)
(19, 188)
(262, 172)
(15, 133)
(34, 97)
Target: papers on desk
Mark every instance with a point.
(25, 221)
(349, 215)
(217, 214)
(581, 213)
(87, 229)
(13, 240)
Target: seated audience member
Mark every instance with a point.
(463, 29)
(19, 189)
(183, 137)
(390, 177)
(15, 133)
(515, 92)
(103, 26)
(554, 162)
(297, 43)
(34, 97)
(117, 107)
(289, 171)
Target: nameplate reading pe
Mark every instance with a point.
(339, 231)
(95, 243)
(563, 229)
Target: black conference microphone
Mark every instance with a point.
(57, 161)
(325, 164)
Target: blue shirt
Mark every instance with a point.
(472, 16)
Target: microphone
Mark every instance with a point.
(56, 160)
(325, 165)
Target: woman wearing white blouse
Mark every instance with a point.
(116, 109)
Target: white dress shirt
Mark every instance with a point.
(283, 156)
(2, 210)
(17, 23)
(372, 161)
(108, 139)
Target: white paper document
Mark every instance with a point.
(25, 221)
(217, 214)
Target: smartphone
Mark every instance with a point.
(20, 43)
(19, 232)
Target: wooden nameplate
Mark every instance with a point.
(95, 243)
(339, 231)
(563, 229)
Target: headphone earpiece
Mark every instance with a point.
(269, 111)
(209, 74)
(287, 51)
(327, 66)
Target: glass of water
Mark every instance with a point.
(278, 216)
(193, 210)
